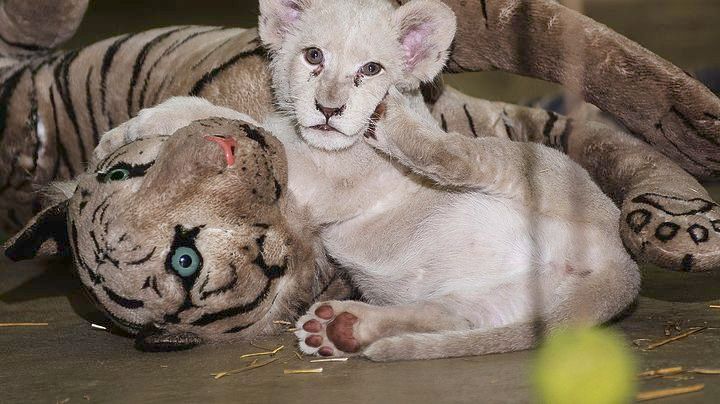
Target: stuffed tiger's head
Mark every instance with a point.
(181, 239)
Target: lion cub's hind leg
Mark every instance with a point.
(347, 327)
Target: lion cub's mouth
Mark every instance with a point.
(325, 127)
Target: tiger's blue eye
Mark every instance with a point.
(118, 174)
(185, 261)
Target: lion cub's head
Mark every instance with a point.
(333, 61)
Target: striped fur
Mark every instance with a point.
(55, 105)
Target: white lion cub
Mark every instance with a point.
(458, 245)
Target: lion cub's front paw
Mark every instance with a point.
(392, 119)
(334, 328)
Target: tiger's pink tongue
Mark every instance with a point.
(227, 144)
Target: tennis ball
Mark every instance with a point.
(588, 366)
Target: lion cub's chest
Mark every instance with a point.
(340, 186)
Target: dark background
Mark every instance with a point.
(687, 32)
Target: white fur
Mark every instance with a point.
(515, 239)
(410, 43)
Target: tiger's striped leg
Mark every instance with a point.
(656, 100)
(668, 218)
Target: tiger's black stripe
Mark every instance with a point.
(8, 89)
(204, 58)
(62, 82)
(483, 5)
(90, 108)
(208, 77)
(143, 259)
(107, 62)
(222, 289)
(123, 301)
(565, 135)
(168, 52)
(210, 318)
(508, 128)
(549, 126)
(94, 277)
(62, 155)
(140, 63)
(32, 122)
(471, 122)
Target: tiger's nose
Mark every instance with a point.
(329, 112)
(227, 144)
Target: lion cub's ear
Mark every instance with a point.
(46, 234)
(427, 29)
(277, 18)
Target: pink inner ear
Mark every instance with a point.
(414, 44)
(291, 12)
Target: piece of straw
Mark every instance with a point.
(302, 371)
(282, 322)
(268, 353)
(675, 391)
(260, 346)
(98, 327)
(675, 338)
(704, 371)
(715, 306)
(291, 330)
(252, 366)
(661, 372)
(329, 360)
(23, 324)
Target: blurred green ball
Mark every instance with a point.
(584, 366)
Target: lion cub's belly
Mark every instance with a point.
(434, 244)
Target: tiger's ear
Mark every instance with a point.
(45, 235)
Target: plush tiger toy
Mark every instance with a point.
(178, 249)
(55, 105)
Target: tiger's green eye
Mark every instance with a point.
(118, 174)
(185, 261)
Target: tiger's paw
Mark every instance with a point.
(672, 232)
(335, 328)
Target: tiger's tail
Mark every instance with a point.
(29, 28)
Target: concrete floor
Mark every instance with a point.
(68, 360)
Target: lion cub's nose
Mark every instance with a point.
(329, 112)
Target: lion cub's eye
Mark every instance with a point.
(314, 56)
(371, 69)
(118, 174)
